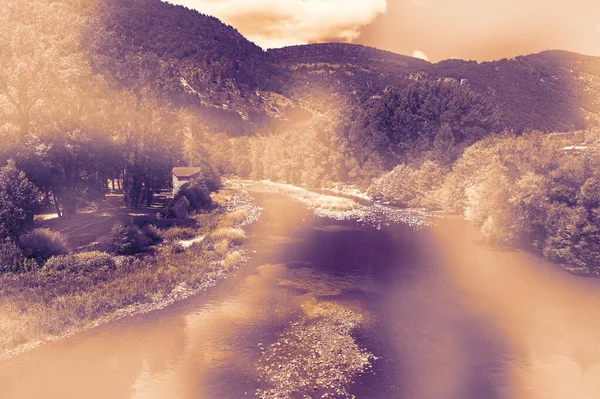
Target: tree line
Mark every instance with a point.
(345, 142)
(69, 128)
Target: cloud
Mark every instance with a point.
(278, 23)
(420, 54)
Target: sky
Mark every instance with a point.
(480, 30)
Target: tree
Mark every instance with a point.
(401, 125)
(40, 58)
(18, 197)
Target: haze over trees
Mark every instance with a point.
(65, 126)
(123, 90)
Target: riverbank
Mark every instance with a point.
(336, 308)
(47, 305)
(343, 207)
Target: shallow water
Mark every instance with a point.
(446, 315)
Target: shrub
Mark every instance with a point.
(153, 233)
(221, 247)
(197, 193)
(12, 259)
(232, 260)
(41, 244)
(234, 236)
(409, 186)
(18, 197)
(167, 211)
(86, 262)
(179, 233)
(238, 217)
(181, 208)
(124, 239)
(211, 181)
(177, 208)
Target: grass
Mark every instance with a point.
(54, 301)
(179, 233)
(233, 235)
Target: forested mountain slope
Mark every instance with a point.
(553, 90)
(241, 89)
(187, 58)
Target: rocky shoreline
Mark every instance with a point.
(315, 357)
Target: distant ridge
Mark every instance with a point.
(245, 90)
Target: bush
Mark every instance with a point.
(86, 262)
(181, 208)
(12, 259)
(409, 186)
(18, 197)
(41, 244)
(198, 195)
(221, 247)
(177, 208)
(212, 182)
(179, 233)
(153, 233)
(234, 236)
(124, 239)
(233, 259)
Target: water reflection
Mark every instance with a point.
(448, 316)
(550, 319)
(95, 366)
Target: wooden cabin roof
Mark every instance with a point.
(186, 172)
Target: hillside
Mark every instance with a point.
(553, 90)
(353, 70)
(187, 58)
(191, 58)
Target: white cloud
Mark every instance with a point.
(420, 54)
(278, 23)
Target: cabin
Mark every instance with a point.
(182, 175)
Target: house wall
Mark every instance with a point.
(177, 183)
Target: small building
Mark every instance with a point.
(182, 175)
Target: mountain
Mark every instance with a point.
(187, 58)
(195, 60)
(550, 91)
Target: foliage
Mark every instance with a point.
(82, 263)
(231, 235)
(432, 120)
(75, 291)
(124, 239)
(12, 259)
(153, 233)
(18, 197)
(41, 244)
(409, 186)
(528, 190)
(179, 233)
(427, 116)
(197, 194)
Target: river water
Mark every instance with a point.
(444, 315)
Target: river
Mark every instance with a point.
(439, 314)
